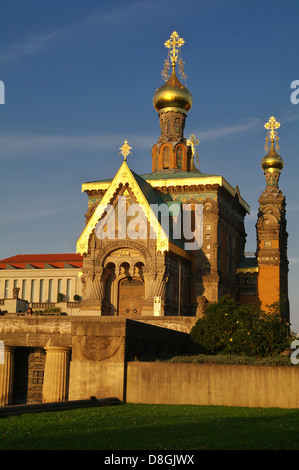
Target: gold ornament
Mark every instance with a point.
(174, 45)
(272, 125)
(125, 150)
(192, 141)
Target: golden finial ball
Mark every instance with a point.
(172, 95)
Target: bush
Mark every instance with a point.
(60, 297)
(228, 359)
(47, 311)
(230, 328)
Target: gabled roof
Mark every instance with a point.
(145, 196)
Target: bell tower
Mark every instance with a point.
(172, 101)
(271, 228)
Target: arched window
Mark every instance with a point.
(168, 124)
(166, 159)
(177, 125)
(179, 157)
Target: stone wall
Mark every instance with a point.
(75, 358)
(212, 384)
(35, 331)
(102, 346)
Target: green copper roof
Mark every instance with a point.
(173, 174)
(169, 174)
(247, 263)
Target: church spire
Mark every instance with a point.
(272, 163)
(172, 101)
(271, 229)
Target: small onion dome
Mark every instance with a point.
(172, 96)
(272, 161)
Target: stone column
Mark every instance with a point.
(56, 376)
(7, 377)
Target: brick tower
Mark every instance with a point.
(271, 229)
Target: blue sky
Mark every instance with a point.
(79, 79)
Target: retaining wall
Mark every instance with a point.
(205, 384)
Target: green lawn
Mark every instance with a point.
(153, 427)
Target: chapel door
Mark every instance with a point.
(130, 297)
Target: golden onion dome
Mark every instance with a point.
(172, 96)
(272, 161)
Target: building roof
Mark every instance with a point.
(247, 265)
(172, 174)
(175, 178)
(168, 174)
(42, 261)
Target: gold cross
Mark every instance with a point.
(174, 43)
(125, 150)
(192, 141)
(272, 125)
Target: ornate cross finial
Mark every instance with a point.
(125, 150)
(174, 45)
(272, 125)
(192, 141)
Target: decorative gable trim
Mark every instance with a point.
(123, 176)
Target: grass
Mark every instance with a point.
(153, 427)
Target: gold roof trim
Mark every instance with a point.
(179, 251)
(123, 176)
(254, 269)
(203, 180)
(96, 186)
(186, 181)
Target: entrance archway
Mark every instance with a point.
(130, 296)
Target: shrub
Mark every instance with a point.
(60, 297)
(47, 311)
(228, 359)
(230, 328)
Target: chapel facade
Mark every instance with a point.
(183, 249)
(163, 275)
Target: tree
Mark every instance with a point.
(60, 297)
(230, 328)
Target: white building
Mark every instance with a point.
(40, 278)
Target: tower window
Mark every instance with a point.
(177, 125)
(166, 159)
(179, 158)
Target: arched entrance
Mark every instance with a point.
(125, 285)
(130, 296)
